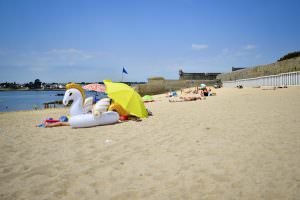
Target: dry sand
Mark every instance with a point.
(240, 144)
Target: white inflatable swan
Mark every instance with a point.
(82, 112)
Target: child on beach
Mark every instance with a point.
(49, 125)
(63, 121)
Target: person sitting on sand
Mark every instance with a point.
(172, 93)
(169, 94)
(209, 93)
(201, 93)
(205, 92)
(196, 91)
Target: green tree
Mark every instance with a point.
(37, 83)
(290, 55)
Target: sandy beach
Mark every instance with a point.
(239, 144)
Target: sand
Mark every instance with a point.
(240, 144)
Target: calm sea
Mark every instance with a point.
(29, 100)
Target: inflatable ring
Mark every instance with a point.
(118, 108)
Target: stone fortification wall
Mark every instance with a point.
(197, 76)
(285, 66)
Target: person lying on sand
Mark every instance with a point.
(181, 99)
(49, 125)
(54, 124)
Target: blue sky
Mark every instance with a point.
(91, 40)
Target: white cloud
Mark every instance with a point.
(249, 47)
(199, 46)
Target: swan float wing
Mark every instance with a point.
(101, 106)
(88, 104)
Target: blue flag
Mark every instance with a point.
(124, 70)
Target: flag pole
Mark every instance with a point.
(123, 71)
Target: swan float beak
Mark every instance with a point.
(65, 102)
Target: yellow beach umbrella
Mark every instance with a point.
(127, 97)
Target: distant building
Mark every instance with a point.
(61, 86)
(197, 76)
(237, 68)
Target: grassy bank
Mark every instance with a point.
(284, 66)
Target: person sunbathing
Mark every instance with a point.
(50, 125)
(189, 98)
(53, 124)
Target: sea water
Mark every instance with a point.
(29, 100)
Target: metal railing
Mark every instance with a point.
(284, 79)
